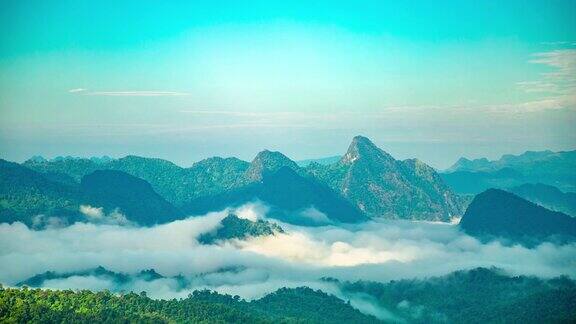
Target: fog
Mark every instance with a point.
(377, 251)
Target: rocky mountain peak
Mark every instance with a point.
(362, 147)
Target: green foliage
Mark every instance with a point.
(176, 184)
(25, 193)
(73, 167)
(267, 162)
(476, 296)
(305, 303)
(48, 306)
(238, 228)
(133, 196)
(288, 194)
(368, 178)
(384, 187)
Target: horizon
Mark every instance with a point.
(191, 163)
(184, 81)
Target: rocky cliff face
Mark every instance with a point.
(382, 186)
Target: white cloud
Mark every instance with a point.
(377, 251)
(97, 215)
(251, 211)
(86, 92)
(92, 212)
(77, 90)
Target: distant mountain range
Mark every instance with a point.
(365, 183)
(26, 194)
(546, 167)
(547, 196)
(500, 214)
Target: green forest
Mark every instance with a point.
(300, 305)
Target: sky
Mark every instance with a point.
(187, 80)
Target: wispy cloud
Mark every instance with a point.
(76, 90)
(563, 77)
(558, 85)
(86, 92)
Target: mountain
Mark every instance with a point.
(382, 186)
(506, 161)
(25, 193)
(292, 198)
(233, 227)
(547, 196)
(498, 213)
(267, 162)
(322, 161)
(74, 168)
(179, 185)
(464, 164)
(371, 181)
(165, 177)
(474, 182)
(547, 167)
(176, 184)
(36, 199)
(133, 196)
(215, 175)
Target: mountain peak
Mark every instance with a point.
(268, 161)
(273, 159)
(362, 147)
(464, 164)
(362, 142)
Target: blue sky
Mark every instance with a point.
(185, 80)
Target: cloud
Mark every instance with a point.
(92, 212)
(86, 92)
(77, 90)
(252, 211)
(564, 63)
(558, 85)
(377, 251)
(97, 215)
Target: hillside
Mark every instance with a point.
(547, 196)
(497, 213)
(290, 197)
(133, 196)
(46, 306)
(382, 186)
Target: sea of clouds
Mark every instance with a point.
(377, 251)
